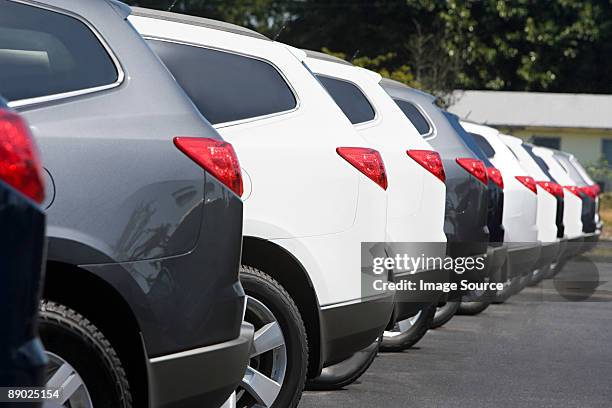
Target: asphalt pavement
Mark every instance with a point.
(537, 350)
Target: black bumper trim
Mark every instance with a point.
(346, 329)
(201, 377)
(522, 258)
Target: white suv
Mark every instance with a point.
(558, 213)
(313, 193)
(572, 212)
(520, 205)
(416, 193)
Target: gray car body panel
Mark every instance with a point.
(131, 208)
(465, 220)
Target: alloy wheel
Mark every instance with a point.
(263, 379)
(403, 326)
(63, 377)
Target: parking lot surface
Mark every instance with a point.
(537, 350)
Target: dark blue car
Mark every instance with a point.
(22, 243)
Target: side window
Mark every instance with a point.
(484, 145)
(415, 116)
(547, 141)
(349, 98)
(539, 161)
(45, 53)
(226, 87)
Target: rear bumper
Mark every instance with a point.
(348, 328)
(549, 251)
(202, 377)
(590, 241)
(522, 257)
(574, 246)
(496, 257)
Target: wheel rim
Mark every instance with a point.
(265, 374)
(403, 326)
(61, 375)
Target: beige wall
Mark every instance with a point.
(585, 144)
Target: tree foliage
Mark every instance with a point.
(440, 45)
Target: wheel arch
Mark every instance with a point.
(290, 273)
(102, 305)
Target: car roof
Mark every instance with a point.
(403, 88)
(325, 57)
(198, 21)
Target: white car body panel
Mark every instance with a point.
(520, 203)
(300, 194)
(572, 211)
(547, 203)
(416, 198)
(583, 173)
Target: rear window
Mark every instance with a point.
(484, 145)
(226, 87)
(349, 98)
(539, 161)
(46, 53)
(415, 116)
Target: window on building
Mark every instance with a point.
(546, 141)
(606, 150)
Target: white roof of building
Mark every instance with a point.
(541, 109)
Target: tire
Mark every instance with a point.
(413, 331)
(524, 282)
(508, 290)
(444, 314)
(539, 274)
(472, 308)
(272, 311)
(346, 372)
(475, 304)
(76, 346)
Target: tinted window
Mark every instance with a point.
(485, 146)
(467, 138)
(44, 53)
(539, 161)
(349, 98)
(415, 116)
(226, 87)
(551, 142)
(569, 168)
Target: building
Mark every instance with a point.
(577, 123)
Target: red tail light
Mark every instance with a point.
(591, 191)
(553, 188)
(216, 157)
(430, 160)
(19, 162)
(528, 182)
(475, 167)
(368, 161)
(496, 176)
(596, 189)
(574, 190)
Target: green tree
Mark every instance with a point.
(441, 45)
